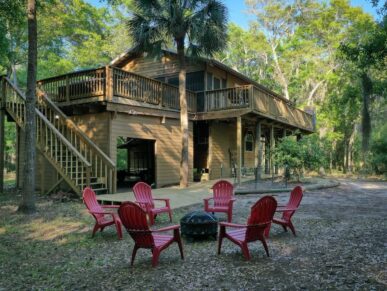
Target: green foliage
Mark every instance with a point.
(379, 150)
(200, 25)
(122, 155)
(308, 153)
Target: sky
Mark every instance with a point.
(237, 10)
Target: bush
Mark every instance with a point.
(308, 153)
(379, 150)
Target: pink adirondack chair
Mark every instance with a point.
(133, 217)
(143, 195)
(223, 198)
(102, 217)
(262, 213)
(288, 210)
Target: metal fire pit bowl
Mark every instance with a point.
(199, 225)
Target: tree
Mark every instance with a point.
(197, 27)
(366, 49)
(27, 204)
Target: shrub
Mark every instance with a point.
(307, 153)
(379, 150)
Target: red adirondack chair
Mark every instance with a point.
(262, 213)
(288, 210)
(133, 217)
(102, 217)
(143, 194)
(223, 197)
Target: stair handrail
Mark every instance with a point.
(56, 131)
(73, 126)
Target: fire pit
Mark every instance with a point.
(198, 225)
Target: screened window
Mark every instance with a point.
(249, 142)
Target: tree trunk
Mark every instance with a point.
(183, 116)
(366, 85)
(27, 204)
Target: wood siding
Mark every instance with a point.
(96, 127)
(167, 147)
(166, 66)
(222, 140)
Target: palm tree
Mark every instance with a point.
(196, 27)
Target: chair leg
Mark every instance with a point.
(291, 226)
(220, 239)
(265, 246)
(180, 248)
(155, 258)
(267, 230)
(96, 226)
(229, 215)
(170, 215)
(245, 251)
(284, 227)
(134, 254)
(119, 229)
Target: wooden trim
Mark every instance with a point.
(239, 149)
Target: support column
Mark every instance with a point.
(272, 146)
(267, 154)
(239, 149)
(258, 151)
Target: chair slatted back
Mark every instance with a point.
(223, 191)
(294, 202)
(143, 194)
(90, 200)
(133, 217)
(262, 213)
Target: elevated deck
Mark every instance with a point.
(115, 88)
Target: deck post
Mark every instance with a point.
(109, 83)
(239, 149)
(272, 146)
(2, 132)
(258, 151)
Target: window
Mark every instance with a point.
(249, 141)
(216, 83)
(209, 81)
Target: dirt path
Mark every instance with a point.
(341, 244)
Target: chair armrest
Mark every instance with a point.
(101, 212)
(283, 209)
(162, 199)
(172, 227)
(209, 198)
(229, 224)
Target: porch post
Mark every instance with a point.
(272, 146)
(239, 148)
(258, 151)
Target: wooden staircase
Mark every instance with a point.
(77, 159)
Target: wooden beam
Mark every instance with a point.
(272, 146)
(258, 151)
(239, 149)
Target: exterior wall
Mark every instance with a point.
(167, 146)
(222, 140)
(97, 127)
(168, 65)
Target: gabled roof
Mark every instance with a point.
(131, 53)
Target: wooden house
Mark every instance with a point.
(85, 118)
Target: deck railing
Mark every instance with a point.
(257, 99)
(109, 81)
